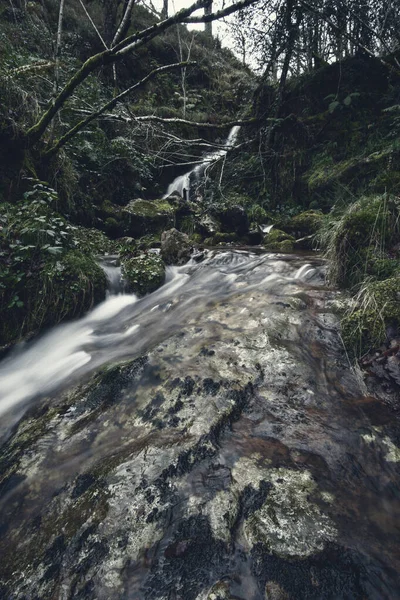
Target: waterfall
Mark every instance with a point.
(112, 269)
(181, 184)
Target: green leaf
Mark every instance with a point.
(333, 106)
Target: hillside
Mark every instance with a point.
(48, 199)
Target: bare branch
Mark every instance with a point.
(112, 103)
(108, 57)
(94, 25)
(124, 23)
(197, 123)
(39, 66)
(221, 13)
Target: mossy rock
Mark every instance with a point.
(364, 328)
(61, 289)
(94, 241)
(225, 238)
(143, 273)
(306, 223)
(233, 219)
(148, 216)
(279, 241)
(209, 241)
(196, 238)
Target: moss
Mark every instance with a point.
(325, 171)
(147, 208)
(60, 289)
(306, 223)
(93, 241)
(378, 306)
(279, 241)
(196, 238)
(224, 238)
(209, 241)
(145, 216)
(144, 273)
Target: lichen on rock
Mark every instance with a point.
(288, 523)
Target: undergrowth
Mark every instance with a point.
(362, 242)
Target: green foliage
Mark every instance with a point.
(377, 305)
(257, 214)
(354, 237)
(335, 104)
(47, 268)
(143, 273)
(93, 241)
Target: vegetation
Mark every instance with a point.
(143, 273)
(102, 104)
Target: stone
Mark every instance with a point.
(208, 225)
(233, 219)
(175, 247)
(273, 591)
(148, 216)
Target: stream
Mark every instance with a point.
(209, 441)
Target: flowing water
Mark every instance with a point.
(183, 183)
(206, 442)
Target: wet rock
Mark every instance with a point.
(222, 465)
(208, 225)
(232, 219)
(273, 591)
(175, 247)
(148, 216)
(288, 523)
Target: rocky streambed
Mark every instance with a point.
(215, 445)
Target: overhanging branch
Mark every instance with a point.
(112, 103)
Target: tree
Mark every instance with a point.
(208, 24)
(121, 44)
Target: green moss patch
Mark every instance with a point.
(143, 273)
(145, 216)
(306, 223)
(279, 241)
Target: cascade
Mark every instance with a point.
(182, 183)
(207, 440)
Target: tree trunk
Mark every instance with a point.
(208, 24)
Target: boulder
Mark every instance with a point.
(175, 247)
(279, 241)
(208, 225)
(143, 273)
(233, 218)
(305, 224)
(148, 216)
